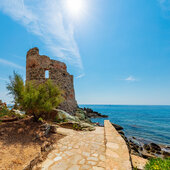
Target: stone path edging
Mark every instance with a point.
(117, 153)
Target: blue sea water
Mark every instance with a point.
(150, 123)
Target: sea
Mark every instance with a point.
(147, 123)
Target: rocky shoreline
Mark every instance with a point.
(144, 149)
(148, 150)
(92, 114)
(136, 146)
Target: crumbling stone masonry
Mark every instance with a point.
(37, 65)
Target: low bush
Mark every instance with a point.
(4, 110)
(158, 164)
(77, 127)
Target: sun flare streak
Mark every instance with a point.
(49, 22)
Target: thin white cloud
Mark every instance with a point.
(46, 19)
(11, 64)
(130, 78)
(3, 79)
(80, 76)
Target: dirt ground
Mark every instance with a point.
(18, 143)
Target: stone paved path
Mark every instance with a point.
(78, 151)
(102, 149)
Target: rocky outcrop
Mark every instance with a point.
(143, 150)
(65, 120)
(37, 65)
(118, 127)
(92, 114)
(148, 150)
(62, 116)
(155, 147)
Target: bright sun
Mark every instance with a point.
(75, 7)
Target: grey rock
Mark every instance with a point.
(146, 147)
(63, 116)
(155, 147)
(117, 127)
(166, 154)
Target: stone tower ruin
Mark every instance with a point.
(37, 65)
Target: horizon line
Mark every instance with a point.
(131, 104)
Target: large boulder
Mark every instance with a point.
(58, 115)
(87, 126)
(77, 122)
(146, 147)
(155, 147)
(117, 127)
(80, 114)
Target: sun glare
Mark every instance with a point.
(75, 7)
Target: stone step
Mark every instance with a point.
(117, 153)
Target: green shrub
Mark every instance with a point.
(158, 164)
(77, 127)
(4, 110)
(36, 100)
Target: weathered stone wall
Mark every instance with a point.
(36, 65)
(117, 153)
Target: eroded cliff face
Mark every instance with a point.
(37, 65)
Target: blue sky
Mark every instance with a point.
(118, 51)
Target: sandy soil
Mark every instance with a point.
(18, 145)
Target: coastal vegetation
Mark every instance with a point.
(8, 115)
(158, 164)
(3, 109)
(36, 99)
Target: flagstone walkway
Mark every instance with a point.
(78, 151)
(102, 149)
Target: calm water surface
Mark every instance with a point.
(151, 123)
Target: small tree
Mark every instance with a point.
(36, 100)
(16, 88)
